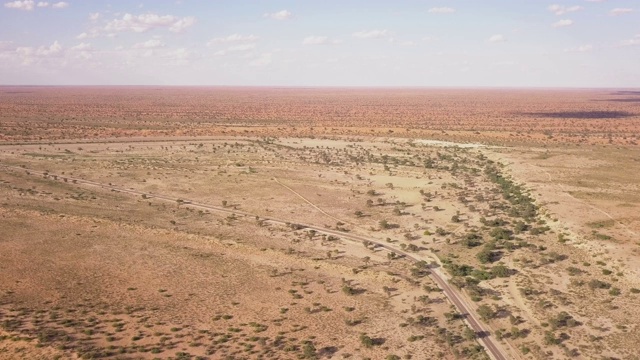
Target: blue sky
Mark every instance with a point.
(507, 43)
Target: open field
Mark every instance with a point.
(319, 223)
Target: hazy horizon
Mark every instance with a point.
(311, 87)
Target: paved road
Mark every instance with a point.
(454, 297)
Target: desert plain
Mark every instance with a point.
(319, 223)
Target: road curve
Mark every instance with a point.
(454, 297)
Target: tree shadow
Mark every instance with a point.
(626, 92)
(625, 100)
(580, 114)
(358, 291)
(327, 351)
(563, 337)
(623, 93)
(496, 256)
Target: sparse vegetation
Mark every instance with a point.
(400, 200)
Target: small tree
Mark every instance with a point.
(550, 338)
(311, 233)
(500, 271)
(469, 334)
(348, 290)
(309, 350)
(486, 312)
(366, 260)
(366, 340)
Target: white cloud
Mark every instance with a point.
(179, 56)
(442, 10)
(407, 43)
(90, 35)
(496, 38)
(243, 47)
(234, 38)
(60, 5)
(315, 40)
(30, 55)
(562, 23)
(631, 42)
(29, 5)
(84, 55)
(82, 46)
(319, 40)
(561, 9)
(20, 5)
(94, 16)
(53, 49)
(371, 34)
(581, 48)
(620, 11)
(182, 24)
(145, 22)
(82, 51)
(6, 45)
(279, 15)
(149, 44)
(596, 1)
(235, 49)
(263, 60)
(26, 54)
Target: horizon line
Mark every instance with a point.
(373, 87)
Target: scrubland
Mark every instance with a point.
(315, 223)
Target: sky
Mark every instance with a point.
(399, 43)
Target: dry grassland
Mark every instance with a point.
(143, 223)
